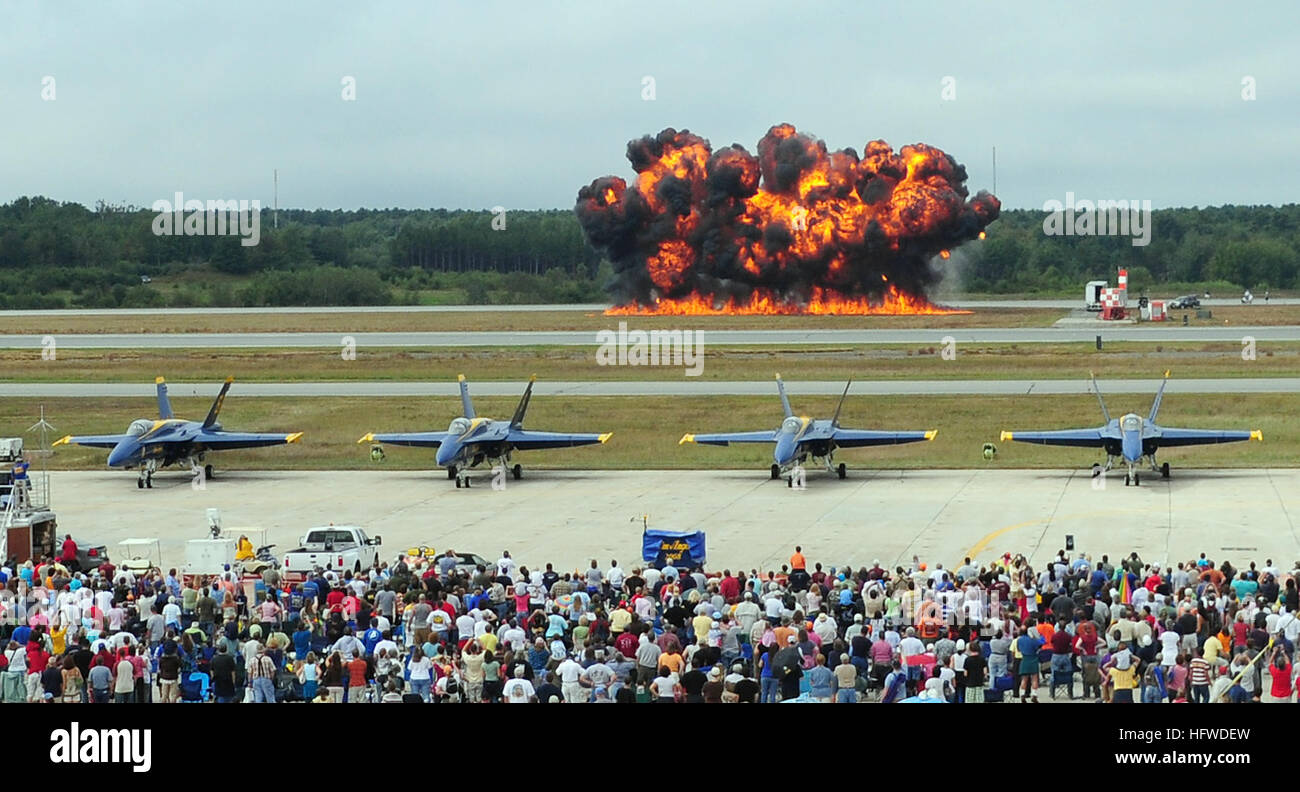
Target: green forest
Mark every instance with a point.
(65, 255)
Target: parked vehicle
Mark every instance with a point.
(336, 547)
(1186, 301)
(466, 563)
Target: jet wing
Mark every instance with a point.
(93, 441)
(527, 439)
(727, 438)
(1188, 437)
(416, 439)
(1083, 438)
(223, 441)
(853, 438)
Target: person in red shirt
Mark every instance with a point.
(626, 643)
(334, 600)
(37, 658)
(356, 670)
(1280, 671)
(729, 587)
(69, 550)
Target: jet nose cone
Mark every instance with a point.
(122, 453)
(785, 449)
(447, 453)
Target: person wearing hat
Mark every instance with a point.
(714, 686)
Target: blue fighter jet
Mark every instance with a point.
(1132, 437)
(149, 444)
(470, 439)
(800, 437)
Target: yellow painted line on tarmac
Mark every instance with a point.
(988, 539)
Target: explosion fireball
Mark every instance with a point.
(795, 229)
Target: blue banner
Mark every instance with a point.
(682, 550)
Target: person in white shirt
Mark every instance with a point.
(910, 644)
(651, 577)
(172, 614)
(388, 644)
(570, 675)
(519, 690)
(1169, 647)
(615, 575)
(773, 608)
(506, 565)
(515, 637)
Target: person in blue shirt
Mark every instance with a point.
(311, 590)
(1097, 582)
(301, 641)
(371, 638)
(821, 681)
(1028, 644)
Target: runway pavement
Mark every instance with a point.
(570, 517)
(678, 387)
(806, 337)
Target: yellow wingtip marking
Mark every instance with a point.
(1007, 436)
(158, 380)
(460, 377)
(62, 441)
(778, 375)
(229, 380)
(1257, 435)
(293, 438)
(686, 438)
(931, 433)
(533, 378)
(605, 437)
(1166, 373)
(368, 437)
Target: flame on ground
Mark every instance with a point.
(823, 302)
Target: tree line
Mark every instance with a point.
(55, 254)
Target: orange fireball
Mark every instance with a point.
(795, 228)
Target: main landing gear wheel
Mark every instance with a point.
(776, 472)
(517, 471)
(1128, 480)
(207, 472)
(1096, 469)
(148, 480)
(1164, 470)
(790, 482)
(451, 472)
(139, 483)
(841, 471)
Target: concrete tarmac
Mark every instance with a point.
(569, 517)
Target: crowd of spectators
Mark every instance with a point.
(428, 629)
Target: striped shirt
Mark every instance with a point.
(1199, 671)
(261, 667)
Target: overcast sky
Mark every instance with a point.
(478, 104)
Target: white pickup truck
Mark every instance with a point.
(335, 547)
